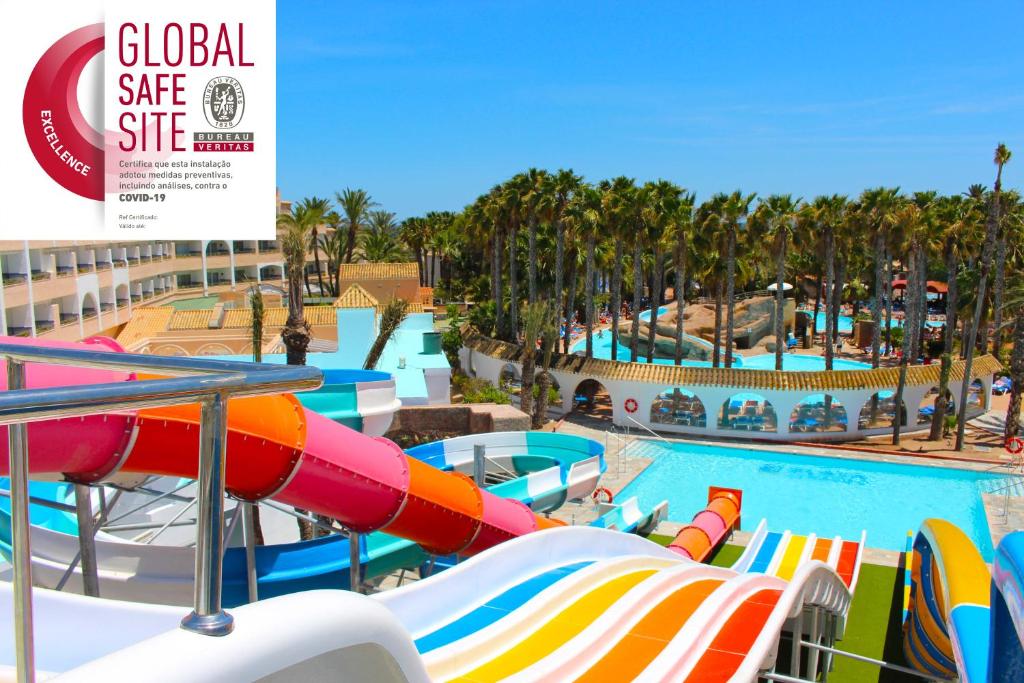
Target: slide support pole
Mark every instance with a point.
(207, 617)
(479, 463)
(249, 536)
(355, 580)
(17, 443)
(87, 541)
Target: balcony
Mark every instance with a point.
(103, 265)
(136, 298)
(19, 331)
(135, 260)
(123, 263)
(217, 252)
(65, 271)
(121, 303)
(68, 319)
(106, 307)
(11, 279)
(85, 268)
(40, 275)
(43, 326)
(266, 246)
(189, 285)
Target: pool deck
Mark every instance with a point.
(1005, 512)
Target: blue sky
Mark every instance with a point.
(428, 104)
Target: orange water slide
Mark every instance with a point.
(711, 525)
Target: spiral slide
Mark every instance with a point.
(163, 574)
(278, 449)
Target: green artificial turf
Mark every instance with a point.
(873, 628)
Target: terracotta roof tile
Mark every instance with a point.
(379, 271)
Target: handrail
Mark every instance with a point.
(647, 429)
(207, 382)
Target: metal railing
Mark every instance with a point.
(647, 429)
(207, 382)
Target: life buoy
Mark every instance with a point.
(1014, 445)
(596, 495)
(631, 405)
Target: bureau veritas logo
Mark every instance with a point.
(223, 102)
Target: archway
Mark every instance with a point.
(748, 412)
(213, 350)
(678, 407)
(880, 412)
(169, 350)
(89, 306)
(976, 398)
(217, 248)
(509, 379)
(927, 406)
(592, 398)
(818, 413)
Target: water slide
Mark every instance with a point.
(278, 449)
(572, 603)
(710, 526)
(963, 621)
(569, 468)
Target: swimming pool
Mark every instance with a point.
(846, 323)
(814, 494)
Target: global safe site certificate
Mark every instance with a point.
(147, 120)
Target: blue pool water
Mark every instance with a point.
(846, 323)
(812, 494)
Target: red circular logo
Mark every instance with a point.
(63, 142)
(631, 405)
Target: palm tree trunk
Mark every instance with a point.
(499, 284)
(941, 401)
(513, 283)
(652, 321)
(888, 302)
(316, 259)
(638, 276)
(588, 286)
(817, 303)
(616, 298)
(1012, 427)
(529, 370)
(837, 298)
(680, 286)
(544, 380)
(559, 279)
(532, 266)
(979, 305)
(876, 304)
(908, 341)
(780, 300)
(717, 360)
(998, 288)
(730, 293)
(570, 305)
(830, 268)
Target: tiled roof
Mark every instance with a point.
(379, 271)
(242, 317)
(146, 322)
(673, 375)
(356, 297)
(191, 320)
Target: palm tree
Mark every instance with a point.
(535, 183)
(1001, 157)
(774, 220)
(512, 196)
(298, 225)
(736, 207)
(615, 204)
(256, 335)
(549, 338)
(880, 205)
(1011, 203)
(379, 242)
(636, 202)
(413, 231)
(682, 225)
(1012, 425)
(323, 207)
(562, 186)
(332, 244)
(355, 204)
(583, 220)
(659, 211)
(909, 222)
(391, 318)
(827, 213)
(536, 324)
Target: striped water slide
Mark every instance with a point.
(586, 611)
